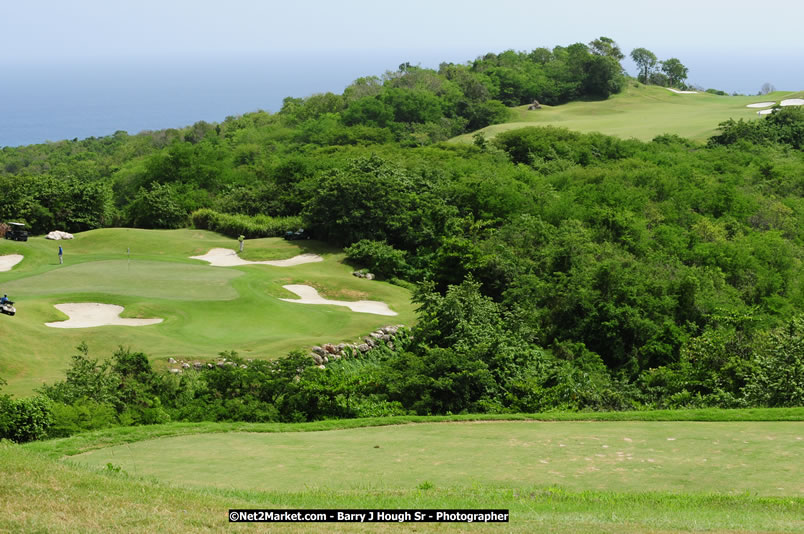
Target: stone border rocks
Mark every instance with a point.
(179, 366)
(386, 336)
(57, 235)
(364, 274)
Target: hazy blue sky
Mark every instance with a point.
(80, 29)
(74, 68)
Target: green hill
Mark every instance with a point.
(641, 112)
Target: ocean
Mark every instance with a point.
(51, 102)
(60, 100)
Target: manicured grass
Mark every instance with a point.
(733, 458)
(149, 279)
(40, 493)
(88, 441)
(640, 112)
(206, 310)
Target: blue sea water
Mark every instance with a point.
(51, 102)
(78, 99)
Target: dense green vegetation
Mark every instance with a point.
(553, 269)
(246, 165)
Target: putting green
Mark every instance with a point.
(761, 458)
(206, 309)
(147, 279)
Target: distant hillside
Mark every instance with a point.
(641, 112)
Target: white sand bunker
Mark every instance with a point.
(682, 92)
(765, 112)
(90, 314)
(760, 105)
(9, 260)
(224, 257)
(792, 102)
(309, 295)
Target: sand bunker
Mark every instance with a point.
(792, 102)
(224, 257)
(760, 105)
(90, 314)
(682, 92)
(765, 112)
(309, 295)
(9, 260)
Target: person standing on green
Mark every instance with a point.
(242, 238)
(61, 255)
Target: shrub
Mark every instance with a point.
(381, 258)
(778, 378)
(25, 419)
(249, 226)
(157, 207)
(80, 416)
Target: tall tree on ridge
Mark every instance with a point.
(645, 61)
(605, 46)
(676, 72)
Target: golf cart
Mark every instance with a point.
(17, 232)
(298, 234)
(7, 307)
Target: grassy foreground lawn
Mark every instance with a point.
(40, 493)
(640, 112)
(762, 458)
(205, 309)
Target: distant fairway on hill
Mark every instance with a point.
(640, 112)
(205, 309)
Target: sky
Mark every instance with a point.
(55, 51)
(36, 30)
(424, 32)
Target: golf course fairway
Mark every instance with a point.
(204, 309)
(640, 112)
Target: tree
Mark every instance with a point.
(603, 76)
(676, 72)
(605, 46)
(778, 379)
(368, 111)
(363, 87)
(374, 199)
(157, 207)
(645, 61)
(766, 88)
